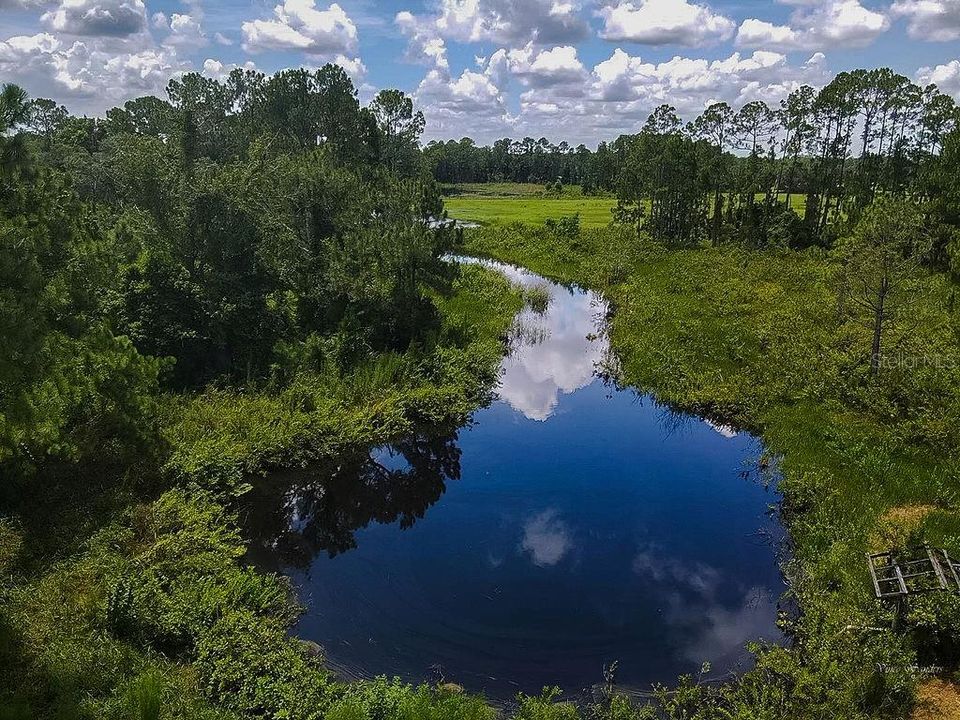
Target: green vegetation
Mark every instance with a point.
(593, 211)
(159, 600)
(537, 298)
(250, 275)
(194, 294)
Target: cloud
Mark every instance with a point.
(506, 22)
(615, 97)
(220, 71)
(299, 25)
(185, 30)
(724, 631)
(353, 66)
(94, 76)
(686, 83)
(112, 18)
(425, 46)
(23, 4)
(698, 578)
(536, 68)
(819, 24)
(946, 77)
(933, 20)
(760, 33)
(471, 93)
(664, 22)
(557, 358)
(712, 620)
(547, 539)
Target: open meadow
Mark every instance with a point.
(507, 202)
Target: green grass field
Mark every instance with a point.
(594, 212)
(505, 203)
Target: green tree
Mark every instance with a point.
(717, 127)
(401, 128)
(663, 165)
(14, 114)
(881, 278)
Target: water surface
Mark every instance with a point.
(571, 525)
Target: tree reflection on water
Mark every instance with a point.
(293, 516)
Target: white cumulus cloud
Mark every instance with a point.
(536, 68)
(664, 22)
(299, 25)
(816, 24)
(936, 20)
(507, 22)
(96, 17)
(87, 75)
(425, 45)
(185, 30)
(946, 77)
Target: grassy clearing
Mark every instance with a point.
(503, 203)
(506, 203)
(754, 339)
(594, 211)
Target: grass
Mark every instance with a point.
(594, 212)
(504, 203)
(537, 298)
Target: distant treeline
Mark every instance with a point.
(731, 173)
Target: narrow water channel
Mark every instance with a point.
(570, 525)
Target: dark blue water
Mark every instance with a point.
(570, 526)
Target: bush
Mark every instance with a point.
(567, 227)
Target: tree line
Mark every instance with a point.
(733, 173)
(805, 171)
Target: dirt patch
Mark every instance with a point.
(937, 700)
(897, 524)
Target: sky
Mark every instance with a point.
(573, 70)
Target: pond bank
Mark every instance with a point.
(570, 525)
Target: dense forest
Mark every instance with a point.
(251, 274)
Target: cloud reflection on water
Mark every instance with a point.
(714, 619)
(557, 356)
(546, 537)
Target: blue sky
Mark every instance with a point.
(576, 70)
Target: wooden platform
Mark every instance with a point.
(899, 573)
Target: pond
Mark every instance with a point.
(572, 524)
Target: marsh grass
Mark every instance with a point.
(525, 332)
(537, 298)
(507, 203)
(144, 698)
(594, 212)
